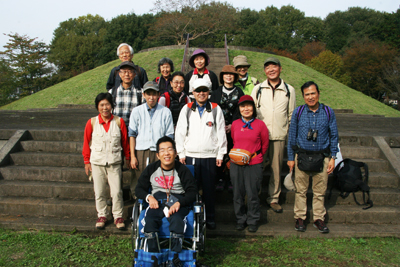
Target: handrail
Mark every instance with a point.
(226, 51)
(184, 54)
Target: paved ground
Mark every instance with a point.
(77, 118)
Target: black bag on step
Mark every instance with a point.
(349, 179)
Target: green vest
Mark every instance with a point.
(249, 85)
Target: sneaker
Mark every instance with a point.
(120, 224)
(101, 223)
(240, 226)
(276, 207)
(220, 186)
(299, 226)
(321, 226)
(253, 228)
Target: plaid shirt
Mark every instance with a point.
(125, 101)
(327, 131)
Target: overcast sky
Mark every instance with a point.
(39, 18)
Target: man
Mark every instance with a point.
(126, 96)
(147, 123)
(275, 101)
(125, 53)
(166, 178)
(313, 129)
(245, 82)
(201, 141)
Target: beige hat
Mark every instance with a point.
(240, 61)
(288, 182)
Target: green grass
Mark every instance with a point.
(83, 88)
(32, 248)
(333, 93)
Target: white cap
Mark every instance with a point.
(199, 83)
(288, 182)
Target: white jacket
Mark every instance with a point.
(275, 109)
(201, 137)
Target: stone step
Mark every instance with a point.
(58, 135)
(360, 152)
(281, 229)
(52, 146)
(351, 140)
(350, 214)
(53, 207)
(375, 165)
(50, 174)
(58, 190)
(47, 159)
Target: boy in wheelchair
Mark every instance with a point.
(173, 191)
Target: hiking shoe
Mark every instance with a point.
(220, 186)
(101, 223)
(252, 228)
(240, 226)
(120, 224)
(276, 207)
(299, 226)
(321, 226)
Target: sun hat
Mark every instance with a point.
(240, 61)
(228, 69)
(196, 53)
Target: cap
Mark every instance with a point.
(245, 98)
(150, 85)
(240, 61)
(272, 60)
(200, 83)
(127, 64)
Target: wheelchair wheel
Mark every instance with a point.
(201, 224)
(135, 226)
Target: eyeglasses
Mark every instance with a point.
(181, 83)
(123, 72)
(199, 90)
(164, 150)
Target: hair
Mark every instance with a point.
(103, 96)
(163, 61)
(177, 73)
(308, 84)
(165, 139)
(125, 44)
(254, 108)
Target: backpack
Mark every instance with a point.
(326, 108)
(349, 179)
(168, 99)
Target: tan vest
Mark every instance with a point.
(105, 148)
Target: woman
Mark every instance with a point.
(176, 98)
(245, 82)
(165, 67)
(251, 134)
(227, 97)
(105, 136)
(199, 61)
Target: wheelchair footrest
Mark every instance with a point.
(164, 258)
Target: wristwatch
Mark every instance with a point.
(334, 157)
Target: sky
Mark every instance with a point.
(40, 18)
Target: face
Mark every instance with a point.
(199, 62)
(242, 70)
(246, 110)
(165, 70)
(178, 83)
(166, 154)
(311, 97)
(125, 54)
(229, 78)
(272, 71)
(151, 97)
(126, 75)
(104, 108)
(201, 95)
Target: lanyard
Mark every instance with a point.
(167, 189)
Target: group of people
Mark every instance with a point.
(160, 126)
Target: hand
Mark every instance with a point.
(182, 160)
(174, 208)
(219, 162)
(153, 203)
(331, 166)
(128, 163)
(290, 163)
(228, 128)
(134, 163)
(88, 168)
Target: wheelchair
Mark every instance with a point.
(193, 242)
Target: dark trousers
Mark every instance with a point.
(153, 221)
(205, 172)
(246, 180)
(221, 175)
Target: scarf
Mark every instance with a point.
(247, 123)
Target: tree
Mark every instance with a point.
(390, 79)
(175, 5)
(388, 30)
(7, 83)
(310, 51)
(77, 42)
(27, 58)
(364, 62)
(331, 65)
